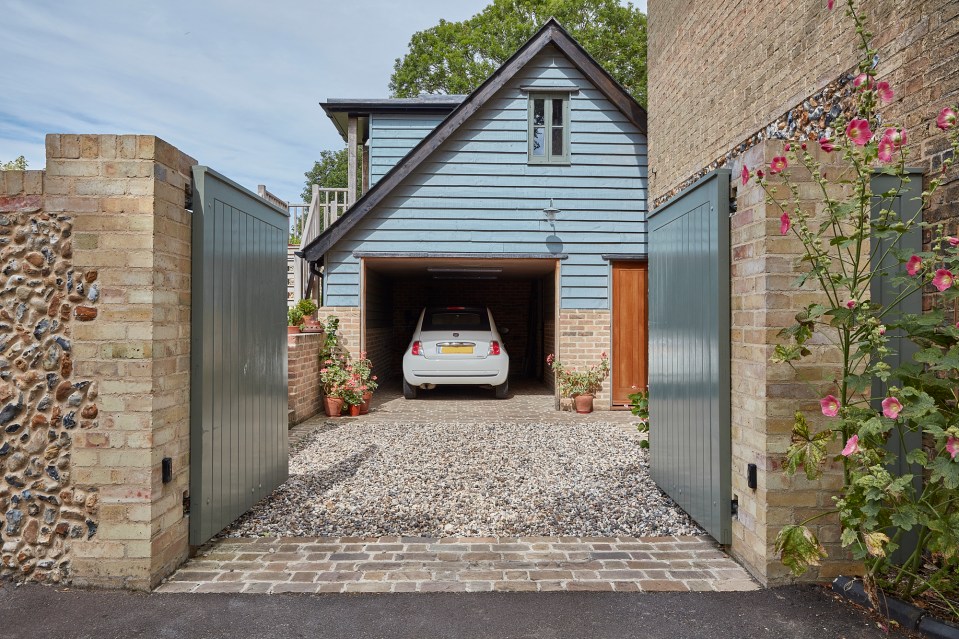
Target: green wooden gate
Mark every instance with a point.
(238, 404)
(689, 352)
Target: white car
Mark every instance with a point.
(455, 345)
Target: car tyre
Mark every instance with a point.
(409, 392)
(502, 390)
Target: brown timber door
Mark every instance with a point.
(630, 362)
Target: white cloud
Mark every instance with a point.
(233, 83)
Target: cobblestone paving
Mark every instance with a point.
(400, 564)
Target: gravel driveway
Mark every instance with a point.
(467, 480)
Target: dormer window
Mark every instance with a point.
(549, 128)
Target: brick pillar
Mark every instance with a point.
(127, 195)
(765, 396)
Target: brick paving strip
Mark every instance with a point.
(475, 564)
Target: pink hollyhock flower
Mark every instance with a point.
(788, 147)
(777, 165)
(891, 407)
(886, 151)
(882, 329)
(952, 445)
(784, 224)
(745, 175)
(830, 4)
(858, 131)
(829, 405)
(884, 91)
(946, 119)
(943, 279)
(860, 79)
(760, 174)
(852, 446)
(953, 241)
(914, 265)
(896, 136)
(803, 146)
(550, 359)
(851, 304)
(826, 145)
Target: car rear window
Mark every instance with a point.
(458, 320)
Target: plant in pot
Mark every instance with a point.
(363, 368)
(353, 393)
(581, 386)
(294, 317)
(308, 308)
(333, 377)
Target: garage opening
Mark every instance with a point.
(520, 293)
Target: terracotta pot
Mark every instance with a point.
(333, 406)
(583, 403)
(365, 406)
(354, 410)
(292, 329)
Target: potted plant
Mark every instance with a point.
(308, 308)
(363, 368)
(333, 377)
(294, 317)
(353, 393)
(581, 386)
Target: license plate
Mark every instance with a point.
(446, 350)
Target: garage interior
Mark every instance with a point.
(520, 293)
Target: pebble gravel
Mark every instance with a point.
(467, 480)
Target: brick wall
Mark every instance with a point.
(349, 331)
(130, 241)
(584, 335)
(710, 96)
(765, 396)
(305, 390)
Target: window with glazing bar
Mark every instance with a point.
(548, 129)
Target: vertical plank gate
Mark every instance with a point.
(689, 352)
(238, 403)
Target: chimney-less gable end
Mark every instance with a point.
(551, 33)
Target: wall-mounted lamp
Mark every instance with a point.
(550, 212)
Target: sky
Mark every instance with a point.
(233, 83)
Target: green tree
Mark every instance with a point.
(456, 57)
(330, 171)
(19, 164)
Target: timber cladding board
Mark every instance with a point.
(689, 353)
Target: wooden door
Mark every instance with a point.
(630, 360)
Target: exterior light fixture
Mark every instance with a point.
(550, 212)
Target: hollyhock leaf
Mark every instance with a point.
(943, 279)
(799, 549)
(891, 407)
(875, 542)
(945, 469)
(806, 450)
(946, 119)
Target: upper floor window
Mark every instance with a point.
(548, 128)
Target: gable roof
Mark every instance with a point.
(551, 33)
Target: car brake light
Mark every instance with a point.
(417, 348)
(456, 308)
(494, 348)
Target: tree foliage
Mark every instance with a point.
(456, 57)
(18, 164)
(330, 171)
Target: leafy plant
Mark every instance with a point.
(294, 316)
(840, 246)
(639, 406)
(363, 368)
(306, 306)
(17, 164)
(586, 382)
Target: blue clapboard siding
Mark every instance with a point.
(392, 136)
(477, 194)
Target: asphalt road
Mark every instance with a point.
(34, 612)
